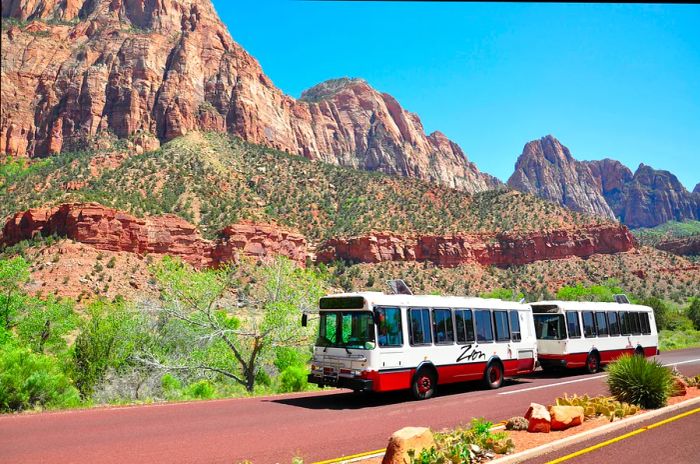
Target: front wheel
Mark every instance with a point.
(493, 377)
(423, 385)
(592, 363)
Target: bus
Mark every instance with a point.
(588, 335)
(371, 341)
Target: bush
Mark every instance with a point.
(203, 390)
(517, 423)
(694, 313)
(293, 379)
(637, 380)
(29, 380)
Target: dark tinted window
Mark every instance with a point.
(602, 323)
(443, 326)
(420, 327)
(624, 323)
(644, 320)
(484, 330)
(500, 319)
(465, 325)
(515, 326)
(549, 326)
(634, 317)
(614, 324)
(573, 325)
(390, 333)
(588, 324)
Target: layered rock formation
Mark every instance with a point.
(485, 249)
(605, 188)
(687, 246)
(547, 169)
(153, 70)
(108, 229)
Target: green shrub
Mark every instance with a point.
(293, 379)
(201, 390)
(29, 380)
(694, 313)
(637, 380)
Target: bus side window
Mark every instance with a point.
(500, 319)
(624, 323)
(389, 328)
(484, 329)
(613, 324)
(573, 324)
(420, 327)
(602, 323)
(442, 320)
(515, 326)
(635, 323)
(644, 319)
(465, 325)
(588, 324)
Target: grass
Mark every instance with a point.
(667, 231)
(678, 339)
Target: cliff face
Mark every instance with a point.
(697, 188)
(605, 188)
(153, 70)
(498, 250)
(108, 229)
(547, 169)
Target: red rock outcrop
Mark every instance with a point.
(486, 249)
(157, 69)
(109, 229)
(689, 246)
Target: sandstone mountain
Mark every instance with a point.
(153, 70)
(645, 198)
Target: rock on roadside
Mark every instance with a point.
(406, 439)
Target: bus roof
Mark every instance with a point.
(591, 306)
(432, 301)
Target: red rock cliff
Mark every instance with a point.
(109, 229)
(484, 249)
(161, 68)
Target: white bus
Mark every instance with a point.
(587, 335)
(377, 342)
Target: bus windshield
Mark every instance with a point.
(345, 329)
(549, 326)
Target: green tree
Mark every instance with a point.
(694, 312)
(230, 320)
(661, 311)
(42, 324)
(14, 273)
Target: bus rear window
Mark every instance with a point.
(549, 326)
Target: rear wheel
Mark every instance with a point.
(493, 377)
(592, 363)
(639, 352)
(423, 385)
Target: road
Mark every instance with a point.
(314, 426)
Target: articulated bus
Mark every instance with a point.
(588, 335)
(372, 341)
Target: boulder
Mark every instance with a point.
(679, 387)
(564, 417)
(405, 440)
(539, 419)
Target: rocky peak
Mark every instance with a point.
(330, 88)
(611, 175)
(546, 168)
(697, 188)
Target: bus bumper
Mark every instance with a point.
(356, 384)
(552, 362)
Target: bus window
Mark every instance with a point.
(390, 333)
(357, 328)
(500, 319)
(588, 324)
(624, 323)
(465, 325)
(613, 324)
(328, 328)
(549, 326)
(634, 317)
(420, 327)
(442, 318)
(484, 330)
(515, 326)
(644, 319)
(573, 325)
(602, 323)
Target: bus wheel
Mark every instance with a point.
(493, 377)
(639, 352)
(592, 363)
(423, 385)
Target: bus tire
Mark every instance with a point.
(493, 376)
(639, 351)
(423, 384)
(592, 363)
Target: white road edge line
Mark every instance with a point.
(584, 380)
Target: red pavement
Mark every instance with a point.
(273, 429)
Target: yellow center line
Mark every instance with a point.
(352, 456)
(622, 437)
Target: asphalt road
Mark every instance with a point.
(274, 429)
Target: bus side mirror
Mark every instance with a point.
(304, 319)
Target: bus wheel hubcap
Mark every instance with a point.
(495, 375)
(424, 384)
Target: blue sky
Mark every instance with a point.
(618, 81)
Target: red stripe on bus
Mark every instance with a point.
(574, 360)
